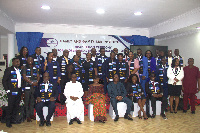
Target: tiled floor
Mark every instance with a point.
(176, 123)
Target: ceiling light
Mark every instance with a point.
(100, 11)
(138, 13)
(198, 28)
(45, 7)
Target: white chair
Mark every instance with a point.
(90, 112)
(136, 109)
(81, 118)
(158, 108)
(45, 113)
(121, 107)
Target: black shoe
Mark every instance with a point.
(148, 115)
(8, 124)
(116, 118)
(48, 123)
(15, 122)
(140, 117)
(193, 112)
(78, 121)
(184, 111)
(71, 122)
(41, 123)
(101, 121)
(175, 112)
(127, 117)
(164, 116)
(153, 116)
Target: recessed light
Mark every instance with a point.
(138, 13)
(100, 11)
(45, 7)
(198, 28)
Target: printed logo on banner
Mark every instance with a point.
(85, 43)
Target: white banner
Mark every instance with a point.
(85, 43)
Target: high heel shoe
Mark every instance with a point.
(146, 118)
(140, 117)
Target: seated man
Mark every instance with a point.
(117, 93)
(155, 92)
(73, 92)
(46, 94)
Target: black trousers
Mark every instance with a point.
(51, 109)
(62, 85)
(126, 100)
(153, 104)
(13, 106)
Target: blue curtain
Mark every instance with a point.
(138, 40)
(31, 40)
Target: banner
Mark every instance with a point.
(85, 43)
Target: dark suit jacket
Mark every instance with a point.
(54, 91)
(119, 91)
(126, 66)
(148, 91)
(103, 68)
(107, 66)
(7, 84)
(35, 57)
(60, 60)
(165, 78)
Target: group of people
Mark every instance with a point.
(127, 77)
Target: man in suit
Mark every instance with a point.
(122, 69)
(161, 76)
(55, 53)
(63, 62)
(117, 93)
(38, 60)
(155, 92)
(31, 78)
(126, 54)
(101, 69)
(53, 68)
(12, 85)
(181, 59)
(46, 95)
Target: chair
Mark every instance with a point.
(158, 108)
(81, 116)
(90, 112)
(136, 109)
(45, 113)
(121, 107)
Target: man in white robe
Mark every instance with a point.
(73, 92)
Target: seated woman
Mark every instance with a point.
(136, 94)
(97, 98)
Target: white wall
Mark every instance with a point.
(188, 45)
(4, 46)
(79, 29)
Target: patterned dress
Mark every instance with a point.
(99, 109)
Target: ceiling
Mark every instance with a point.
(118, 13)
